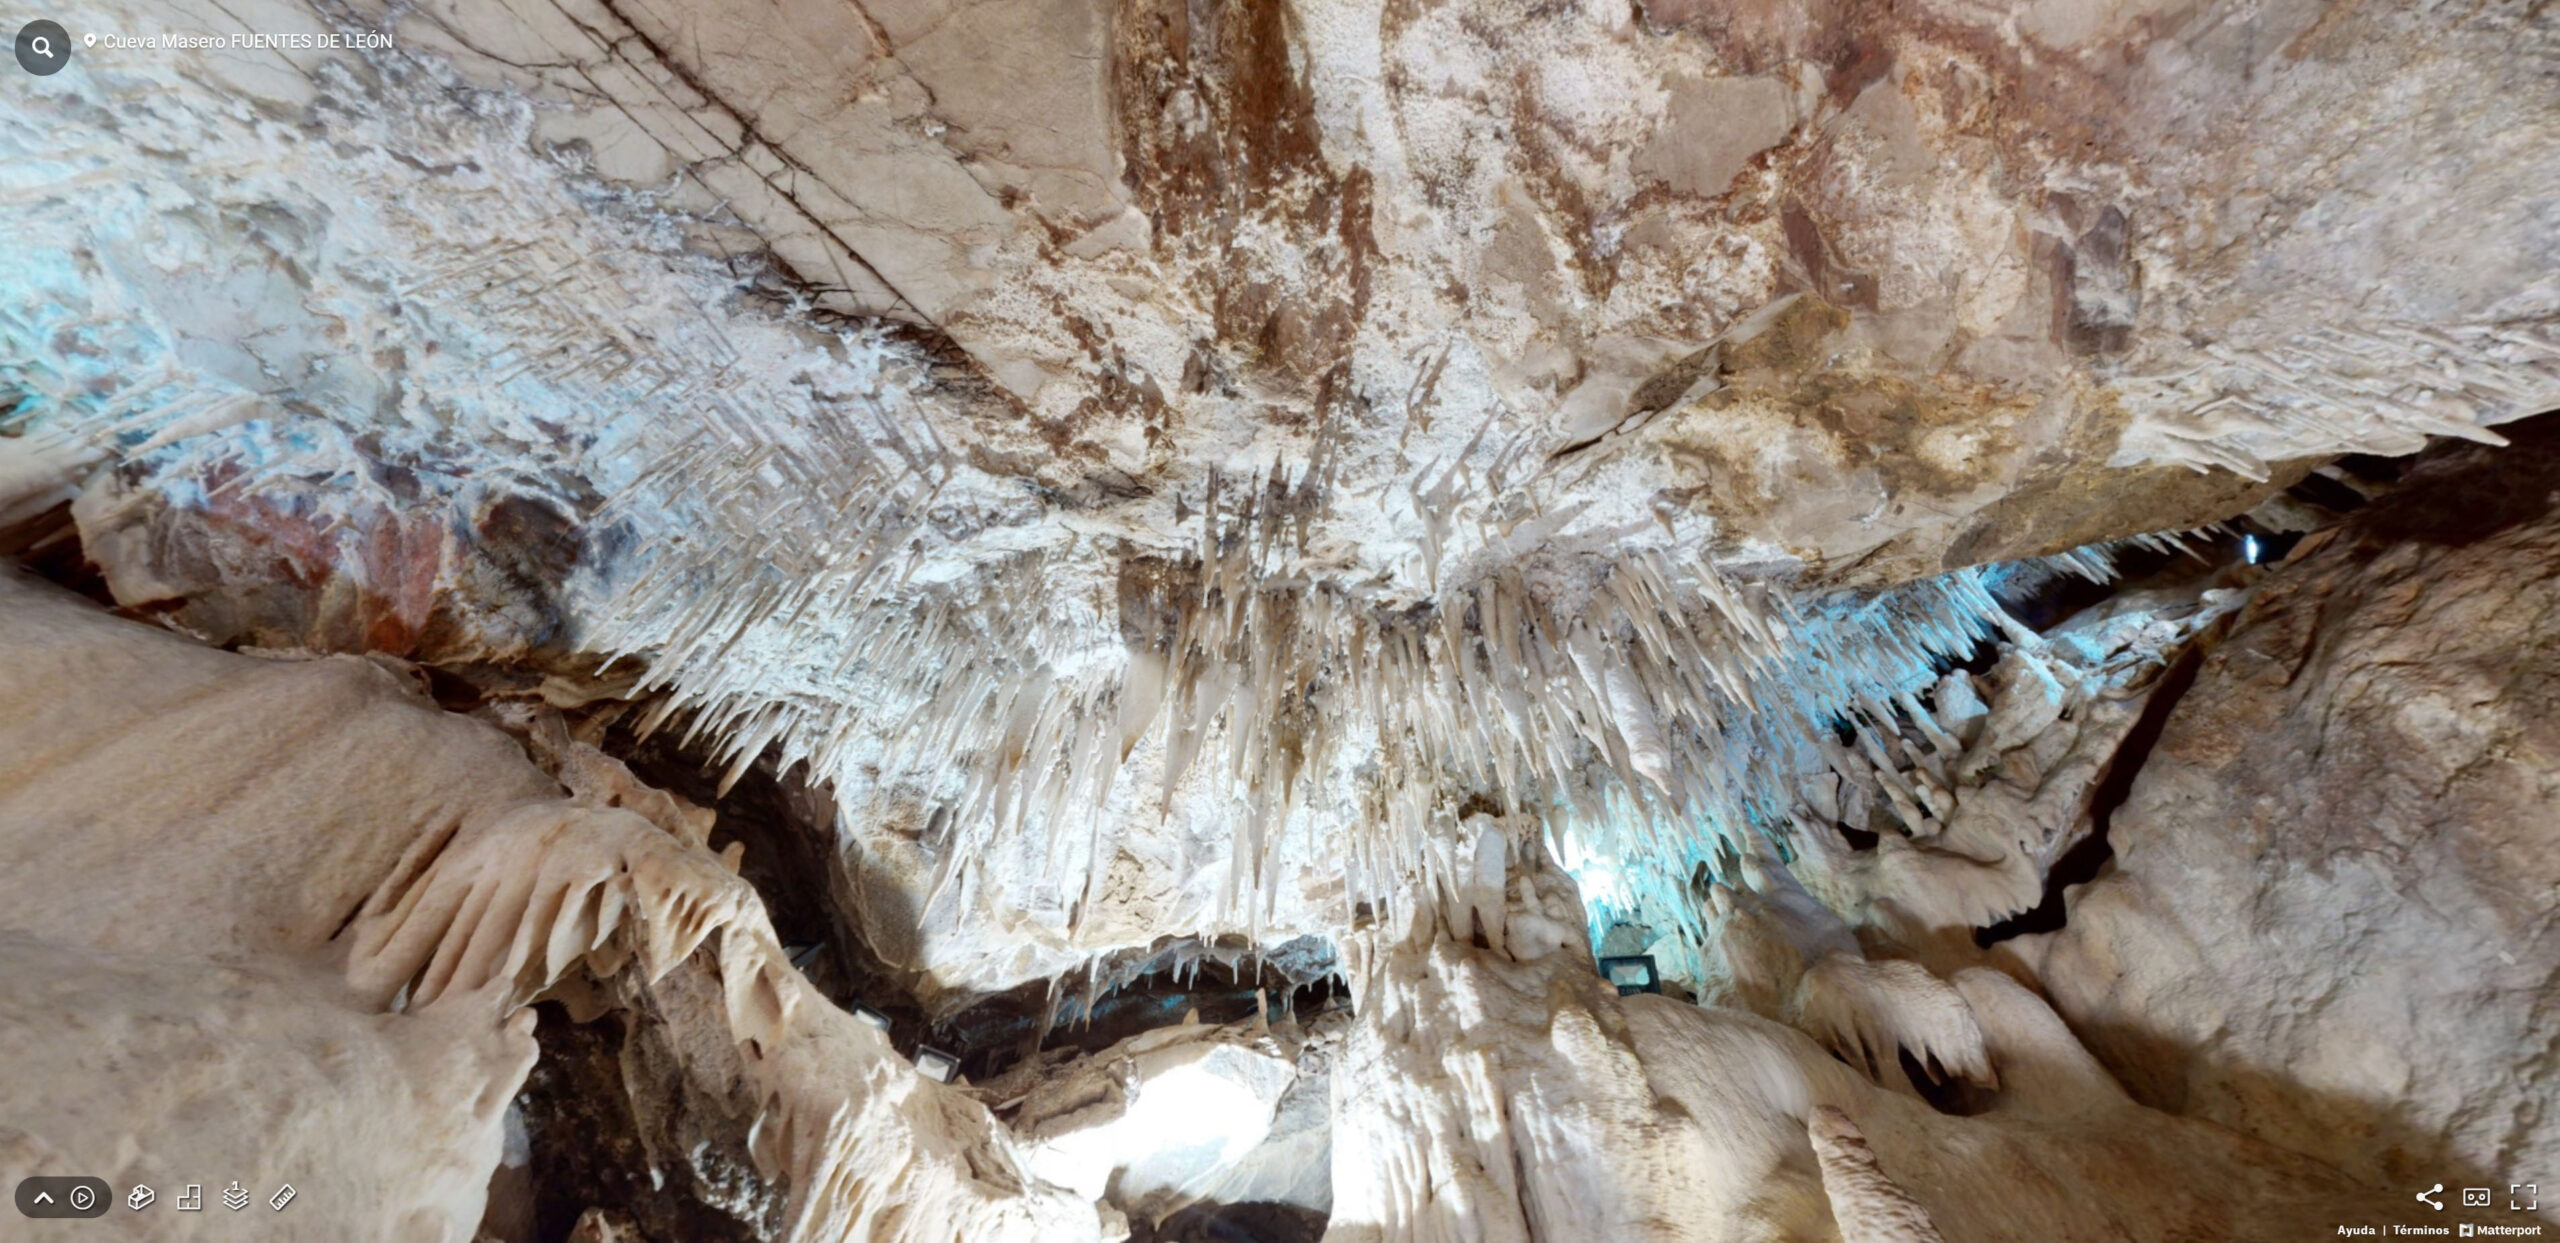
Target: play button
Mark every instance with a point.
(60, 1195)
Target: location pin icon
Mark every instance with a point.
(88, 40)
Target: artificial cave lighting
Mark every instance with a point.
(1279, 621)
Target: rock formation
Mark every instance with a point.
(389, 886)
(894, 619)
(2350, 798)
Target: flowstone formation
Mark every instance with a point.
(1311, 407)
(1046, 619)
(1494, 1087)
(2356, 791)
(391, 886)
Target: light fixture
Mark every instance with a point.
(934, 1064)
(1632, 973)
(873, 1017)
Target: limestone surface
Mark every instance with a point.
(1383, 495)
(2329, 923)
(1093, 392)
(374, 889)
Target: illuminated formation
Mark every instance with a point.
(1238, 547)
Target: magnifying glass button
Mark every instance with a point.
(44, 47)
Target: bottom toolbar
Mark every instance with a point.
(68, 1195)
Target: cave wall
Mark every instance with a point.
(1414, 475)
(327, 977)
(2329, 920)
(2206, 1047)
(532, 342)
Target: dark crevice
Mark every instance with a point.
(788, 828)
(1981, 660)
(1250, 1222)
(1945, 1093)
(2046, 598)
(2372, 469)
(593, 1144)
(354, 909)
(2458, 492)
(789, 831)
(2327, 493)
(1138, 991)
(452, 691)
(47, 545)
(2090, 855)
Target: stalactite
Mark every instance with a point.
(621, 879)
(794, 592)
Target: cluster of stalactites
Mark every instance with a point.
(1875, 707)
(2337, 388)
(619, 884)
(786, 535)
(1648, 710)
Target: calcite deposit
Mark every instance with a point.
(1045, 619)
(394, 885)
(2357, 793)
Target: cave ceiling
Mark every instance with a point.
(1155, 465)
(1152, 621)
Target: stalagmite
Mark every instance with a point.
(1657, 591)
(1866, 1203)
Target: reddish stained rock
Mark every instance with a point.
(284, 570)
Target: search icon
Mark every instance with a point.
(44, 47)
